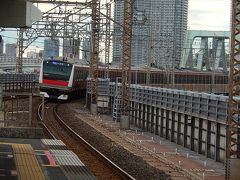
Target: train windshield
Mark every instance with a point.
(56, 70)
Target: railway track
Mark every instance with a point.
(98, 164)
(40, 115)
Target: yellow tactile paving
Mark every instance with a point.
(26, 162)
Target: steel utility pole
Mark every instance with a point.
(149, 60)
(233, 124)
(107, 39)
(95, 53)
(126, 63)
(20, 51)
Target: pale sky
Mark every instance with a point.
(209, 15)
(202, 14)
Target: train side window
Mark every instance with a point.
(78, 79)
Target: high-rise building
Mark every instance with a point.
(71, 48)
(11, 50)
(67, 49)
(86, 51)
(1, 47)
(159, 28)
(51, 48)
(31, 54)
(40, 54)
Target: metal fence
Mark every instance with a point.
(19, 82)
(194, 120)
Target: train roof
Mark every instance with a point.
(144, 69)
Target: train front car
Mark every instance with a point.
(55, 79)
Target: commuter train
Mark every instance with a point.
(61, 80)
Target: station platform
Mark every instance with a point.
(39, 159)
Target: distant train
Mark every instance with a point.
(61, 80)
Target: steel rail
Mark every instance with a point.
(42, 123)
(107, 161)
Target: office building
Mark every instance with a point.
(11, 50)
(51, 49)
